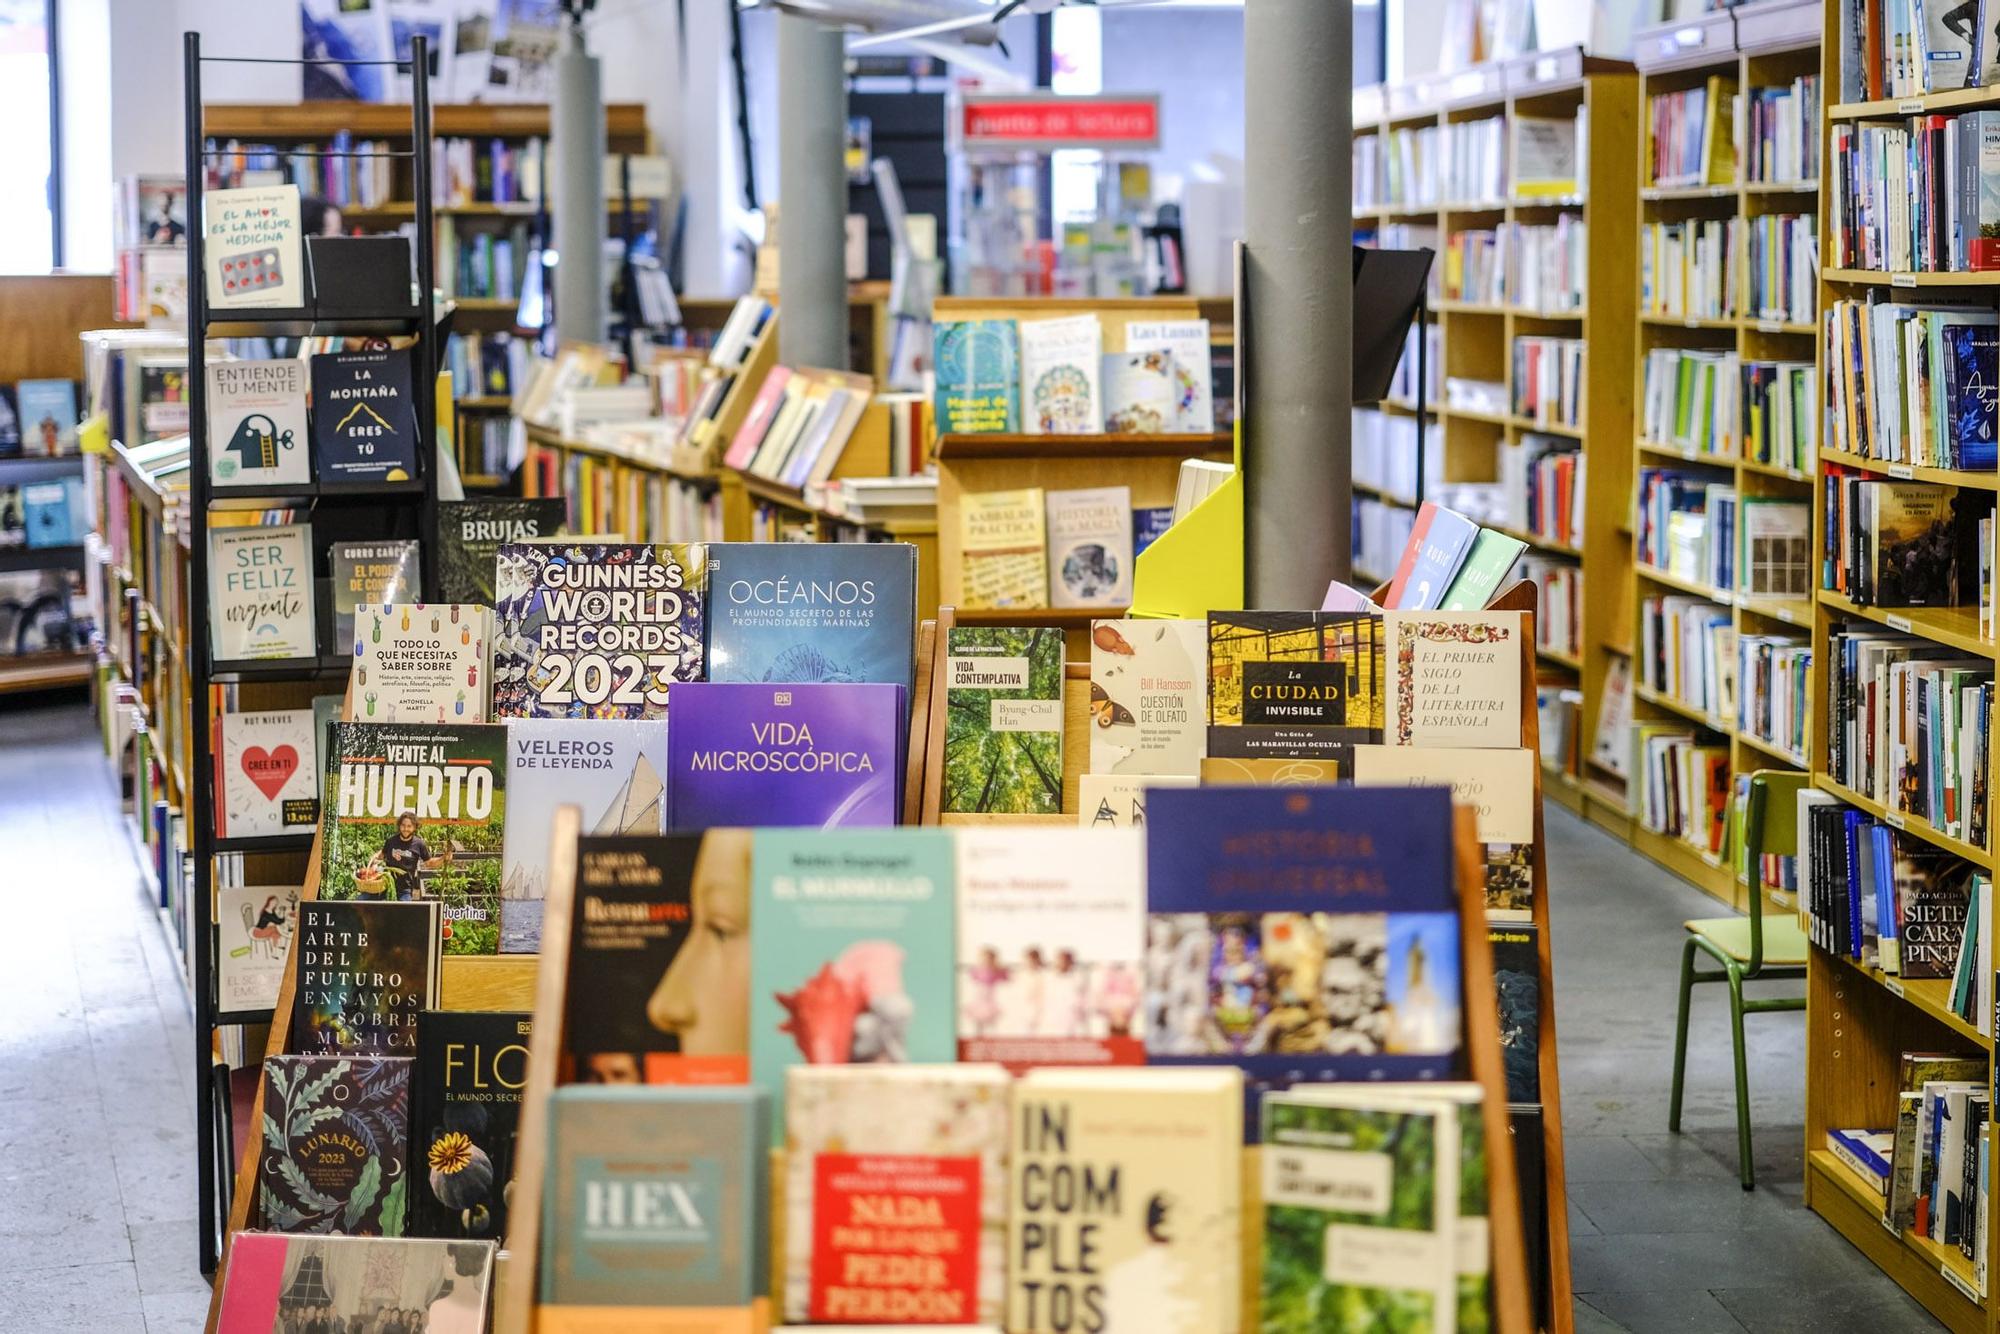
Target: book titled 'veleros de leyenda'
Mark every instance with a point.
(805, 756)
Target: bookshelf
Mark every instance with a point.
(1476, 336)
(1859, 1019)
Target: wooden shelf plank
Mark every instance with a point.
(1971, 481)
(1933, 998)
(1954, 627)
(1854, 1209)
(1011, 446)
(1909, 824)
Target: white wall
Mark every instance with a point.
(1193, 58)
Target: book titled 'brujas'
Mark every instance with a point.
(790, 756)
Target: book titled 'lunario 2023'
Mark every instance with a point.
(794, 756)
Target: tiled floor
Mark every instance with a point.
(96, 1093)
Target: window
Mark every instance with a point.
(28, 194)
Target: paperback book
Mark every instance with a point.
(254, 925)
(1141, 392)
(833, 612)
(1003, 549)
(464, 1114)
(1148, 696)
(1003, 721)
(614, 770)
(363, 417)
(470, 534)
(257, 423)
(260, 589)
(1438, 545)
(1061, 360)
(252, 247)
(1118, 801)
(48, 418)
(416, 812)
(266, 774)
(805, 756)
(336, 1139)
(1223, 771)
(1186, 341)
(1051, 946)
(372, 574)
(1090, 547)
(596, 629)
(1294, 684)
(978, 377)
(1517, 977)
(365, 971)
(418, 662)
(1457, 678)
(285, 1282)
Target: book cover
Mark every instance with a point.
(614, 770)
(1244, 963)
(1933, 896)
(1003, 549)
(1517, 976)
(417, 662)
(792, 756)
(1148, 696)
(257, 423)
(845, 967)
(261, 592)
(1972, 393)
(252, 248)
(1485, 569)
(1187, 342)
(1437, 546)
(978, 377)
(1457, 678)
(10, 423)
(865, 1193)
(656, 1198)
(365, 970)
(757, 422)
(1157, 1246)
(284, 1283)
(1003, 720)
(465, 1111)
(1294, 684)
(157, 385)
(266, 775)
(470, 533)
(364, 421)
(1148, 522)
(1061, 361)
(1051, 946)
(415, 812)
(596, 629)
(1141, 392)
(1498, 784)
(336, 1139)
(792, 611)
(1090, 547)
(1118, 801)
(661, 926)
(254, 926)
(53, 513)
(1914, 544)
(48, 417)
(372, 573)
(1226, 771)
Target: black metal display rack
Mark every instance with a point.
(337, 512)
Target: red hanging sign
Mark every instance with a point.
(1048, 121)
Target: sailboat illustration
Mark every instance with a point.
(636, 809)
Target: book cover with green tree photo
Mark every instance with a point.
(1004, 721)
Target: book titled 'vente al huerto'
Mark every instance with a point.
(364, 420)
(464, 1111)
(336, 1133)
(797, 756)
(365, 970)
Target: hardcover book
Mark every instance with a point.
(283, 1283)
(252, 247)
(1932, 898)
(416, 812)
(612, 769)
(1457, 678)
(1972, 393)
(257, 422)
(596, 629)
(1294, 684)
(417, 662)
(470, 533)
(805, 756)
(1141, 392)
(372, 573)
(866, 1192)
(48, 416)
(1914, 545)
(978, 377)
(792, 611)
(1090, 547)
(1517, 976)
(1148, 696)
(1159, 1250)
(1485, 568)
(1118, 801)
(464, 1113)
(1051, 946)
(845, 967)
(365, 970)
(266, 774)
(254, 926)
(364, 421)
(1187, 342)
(1245, 964)
(260, 588)
(336, 1137)
(1003, 720)
(1003, 550)
(1438, 545)
(654, 1209)
(1061, 360)
(661, 927)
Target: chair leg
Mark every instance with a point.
(1742, 1077)
(1681, 1036)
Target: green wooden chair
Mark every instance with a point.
(1749, 948)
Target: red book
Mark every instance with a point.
(743, 446)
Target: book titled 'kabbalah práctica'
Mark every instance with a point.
(421, 662)
(417, 812)
(364, 420)
(1245, 961)
(282, 1283)
(1003, 720)
(470, 534)
(365, 970)
(336, 1132)
(464, 1112)
(791, 611)
(596, 629)
(796, 756)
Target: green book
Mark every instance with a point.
(1493, 554)
(1004, 721)
(978, 377)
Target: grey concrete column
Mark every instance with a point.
(576, 193)
(1298, 78)
(812, 194)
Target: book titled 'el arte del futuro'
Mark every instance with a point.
(806, 755)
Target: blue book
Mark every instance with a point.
(1972, 366)
(1322, 932)
(978, 365)
(1882, 861)
(1148, 522)
(802, 611)
(1439, 544)
(785, 756)
(47, 513)
(364, 418)
(1858, 881)
(48, 416)
(849, 964)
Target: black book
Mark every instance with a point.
(364, 418)
(469, 536)
(1518, 978)
(365, 969)
(633, 913)
(1524, 1123)
(464, 1113)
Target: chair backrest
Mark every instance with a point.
(1770, 828)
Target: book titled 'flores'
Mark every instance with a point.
(364, 425)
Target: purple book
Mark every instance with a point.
(814, 756)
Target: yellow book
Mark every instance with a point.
(1003, 549)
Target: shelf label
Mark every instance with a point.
(1694, 322)
(1687, 38)
(1902, 470)
(1902, 280)
(1770, 326)
(1545, 69)
(1898, 623)
(1956, 1280)
(1894, 987)
(1894, 819)
(1910, 106)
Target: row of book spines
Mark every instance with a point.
(1877, 695)
(1895, 543)
(1684, 785)
(1875, 894)
(1688, 136)
(1884, 372)
(1909, 197)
